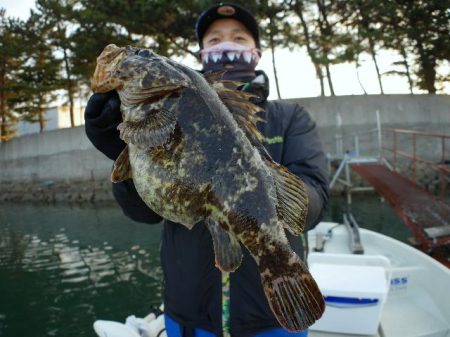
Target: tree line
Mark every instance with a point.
(54, 51)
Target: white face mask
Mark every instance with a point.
(239, 61)
(232, 50)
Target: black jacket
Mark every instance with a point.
(193, 292)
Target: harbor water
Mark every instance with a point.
(64, 266)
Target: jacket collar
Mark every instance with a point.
(259, 86)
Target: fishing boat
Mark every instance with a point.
(409, 292)
(373, 285)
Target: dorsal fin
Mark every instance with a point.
(238, 102)
(213, 76)
(292, 197)
(291, 193)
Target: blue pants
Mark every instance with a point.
(173, 330)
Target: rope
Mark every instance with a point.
(226, 304)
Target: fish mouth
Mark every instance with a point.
(103, 79)
(110, 55)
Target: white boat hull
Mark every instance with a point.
(418, 300)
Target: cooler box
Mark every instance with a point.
(355, 288)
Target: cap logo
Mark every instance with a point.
(226, 10)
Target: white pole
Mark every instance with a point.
(357, 146)
(380, 143)
(339, 142)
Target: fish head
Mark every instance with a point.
(142, 71)
(153, 71)
(106, 77)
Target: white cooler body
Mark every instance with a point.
(355, 289)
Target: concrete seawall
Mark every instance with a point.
(343, 116)
(67, 155)
(64, 154)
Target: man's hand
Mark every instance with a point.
(102, 116)
(103, 109)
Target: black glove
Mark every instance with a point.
(102, 116)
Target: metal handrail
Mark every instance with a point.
(356, 136)
(426, 161)
(361, 132)
(417, 132)
(440, 167)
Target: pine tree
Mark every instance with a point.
(10, 50)
(39, 72)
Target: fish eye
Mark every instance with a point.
(144, 53)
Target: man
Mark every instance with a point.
(229, 40)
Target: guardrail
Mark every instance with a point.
(357, 137)
(441, 166)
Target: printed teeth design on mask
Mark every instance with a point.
(215, 56)
(233, 51)
(231, 55)
(247, 56)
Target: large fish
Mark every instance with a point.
(194, 154)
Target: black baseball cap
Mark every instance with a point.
(225, 10)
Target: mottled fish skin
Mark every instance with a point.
(191, 161)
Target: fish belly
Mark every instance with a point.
(167, 189)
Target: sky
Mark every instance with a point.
(296, 73)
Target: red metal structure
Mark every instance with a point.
(426, 215)
(440, 167)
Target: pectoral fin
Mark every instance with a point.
(226, 247)
(122, 167)
(292, 198)
(133, 96)
(152, 130)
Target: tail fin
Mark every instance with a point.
(294, 297)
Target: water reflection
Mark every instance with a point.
(63, 267)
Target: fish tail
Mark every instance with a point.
(293, 295)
